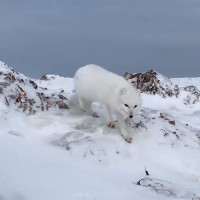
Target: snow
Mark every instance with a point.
(60, 154)
(182, 82)
(55, 82)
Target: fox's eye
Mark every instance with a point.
(126, 105)
(135, 106)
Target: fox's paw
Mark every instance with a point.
(83, 110)
(95, 115)
(111, 125)
(128, 140)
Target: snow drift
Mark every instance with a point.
(49, 149)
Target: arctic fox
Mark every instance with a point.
(113, 93)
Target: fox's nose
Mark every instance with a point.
(130, 116)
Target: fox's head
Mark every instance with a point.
(129, 102)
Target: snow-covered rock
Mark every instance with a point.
(22, 93)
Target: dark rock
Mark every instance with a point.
(152, 82)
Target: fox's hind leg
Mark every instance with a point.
(86, 107)
(108, 117)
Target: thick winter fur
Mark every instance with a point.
(113, 92)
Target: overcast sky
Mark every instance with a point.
(59, 36)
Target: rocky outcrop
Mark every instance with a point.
(22, 93)
(152, 82)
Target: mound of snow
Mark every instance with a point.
(55, 82)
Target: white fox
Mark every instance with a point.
(95, 84)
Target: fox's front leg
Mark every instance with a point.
(81, 103)
(122, 128)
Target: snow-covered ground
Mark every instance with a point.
(50, 150)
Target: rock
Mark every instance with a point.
(22, 93)
(152, 82)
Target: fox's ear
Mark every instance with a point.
(122, 91)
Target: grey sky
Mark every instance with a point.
(59, 36)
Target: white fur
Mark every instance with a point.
(95, 84)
